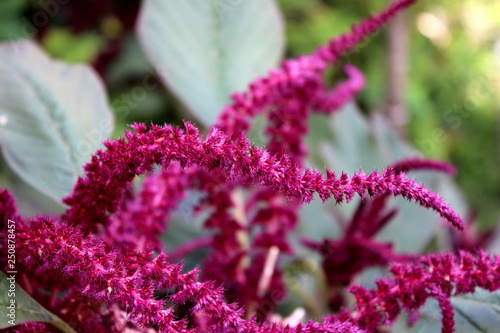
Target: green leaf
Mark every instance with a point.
(206, 50)
(474, 313)
(26, 308)
(479, 312)
(52, 117)
(349, 142)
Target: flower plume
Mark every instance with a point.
(438, 276)
(110, 172)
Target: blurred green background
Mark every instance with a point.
(450, 91)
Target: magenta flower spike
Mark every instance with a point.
(110, 173)
(302, 78)
(438, 276)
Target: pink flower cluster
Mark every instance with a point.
(437, 276)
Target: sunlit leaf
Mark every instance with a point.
(206, 50)
(52, 117)
(349, 142)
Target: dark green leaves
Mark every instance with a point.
(26, 308)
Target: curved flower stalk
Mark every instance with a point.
(329, 101)
(110, 173)
(369, 217)
(413, 164)
(438, 276)
(300, 77)
(44, 281)
(344, 258)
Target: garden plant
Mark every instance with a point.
(239, 220)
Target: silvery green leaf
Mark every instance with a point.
(53, 117)
(17, 307)
(348, 141)
(206, 50)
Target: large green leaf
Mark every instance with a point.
(348, 142)
(205, 50)
(26, 308)
(474, 313)
(52, 117)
